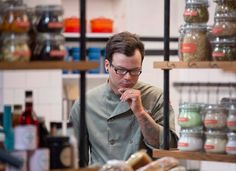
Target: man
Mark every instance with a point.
(123, 115)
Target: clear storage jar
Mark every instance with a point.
(190, 140)
(194, 44)
(49, 18)
(49, 47)
(15, 19)
(231, 119)
(224, 7)
(189, 115)
(15, 47)
(215, 142)
(224, 49)
(224, 26)
(231, 143)
(196, 11)
(215, 117)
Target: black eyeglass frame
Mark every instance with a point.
(121, 71)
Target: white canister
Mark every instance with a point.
(21, 155)
(231, 143)
(25, 137)
(215, 142)
(39, 160)
(190, 140)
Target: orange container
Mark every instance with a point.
(101, 25)
(72, 24)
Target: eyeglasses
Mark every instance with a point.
(122, 71)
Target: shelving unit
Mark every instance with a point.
(194, 155)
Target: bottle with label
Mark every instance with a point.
(26, 132)
(17, 111)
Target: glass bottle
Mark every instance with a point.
(231, 119)
(17, 111)
(231, 143)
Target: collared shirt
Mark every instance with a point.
(113, 130)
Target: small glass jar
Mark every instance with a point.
(224, 7)
(49, 47)
(215, 117)
(15, 19)
(231, 119)
(231, 143)
(194, 45)
(224, 26)
(190, 140)
(49, 18)
(15, 47)
(215, 142)
(224, 49)
(196, 11)
(189, 115)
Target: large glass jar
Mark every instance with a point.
(49, 18)
(224, 26)
(3, 7)
(215, 117)
(231, 119)
(15, 19)
(231, 143)
(196, 11)
(194, 44)
(15, 47)
(224, 49)
(189, 115)
(190, 140)
(49, 47)
(224, 7)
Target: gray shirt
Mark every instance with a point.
(113, 131)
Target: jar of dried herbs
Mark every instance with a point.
(194, 44)
(196, 11)
(224, 49)
(225, 7)
(224, 26)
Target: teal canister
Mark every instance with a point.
(7, 127)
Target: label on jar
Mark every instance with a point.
(183, 119)
(190, 13)
(66, 156)
(55, 25)
(22, 24)
(57, 53)
(19, 53)
(231, 123)
(217, 30)
(210, 122)
(218, 54)
(209, 147)
(39, 160)
(188, 48)
(182, 144)
(228, 148)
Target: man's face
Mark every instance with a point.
(118, 75)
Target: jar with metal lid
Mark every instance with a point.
(49, 18)
(15, 47)
(190, 140)
(60, 152)
(196, 11)
(231, 143)
(195, 45)
(215, 117)
(224, 49)
(215, 142)
(15, 19)
(189, 115)
(224, 26)
(49, 47)
(224, 7)
(231, 119)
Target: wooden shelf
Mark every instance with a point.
(194, 155)
(193, 65)
(82, 65)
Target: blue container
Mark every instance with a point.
(94, 54)
(7, 127)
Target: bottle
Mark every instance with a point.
(26, 134)
(17, 111)
(7, 127)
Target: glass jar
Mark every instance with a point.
(215, 117)
(231, 143)
(15, 19)
(224, 26)
(15, 47)
(215, 142)
(190, 140)
(189, 115)
(224, 49)
(231, 119)
(3, 7)
(49, 47)
(195, 45)
(49, 18)
(224, 7)
(196, 11)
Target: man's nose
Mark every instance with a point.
(127, 75)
